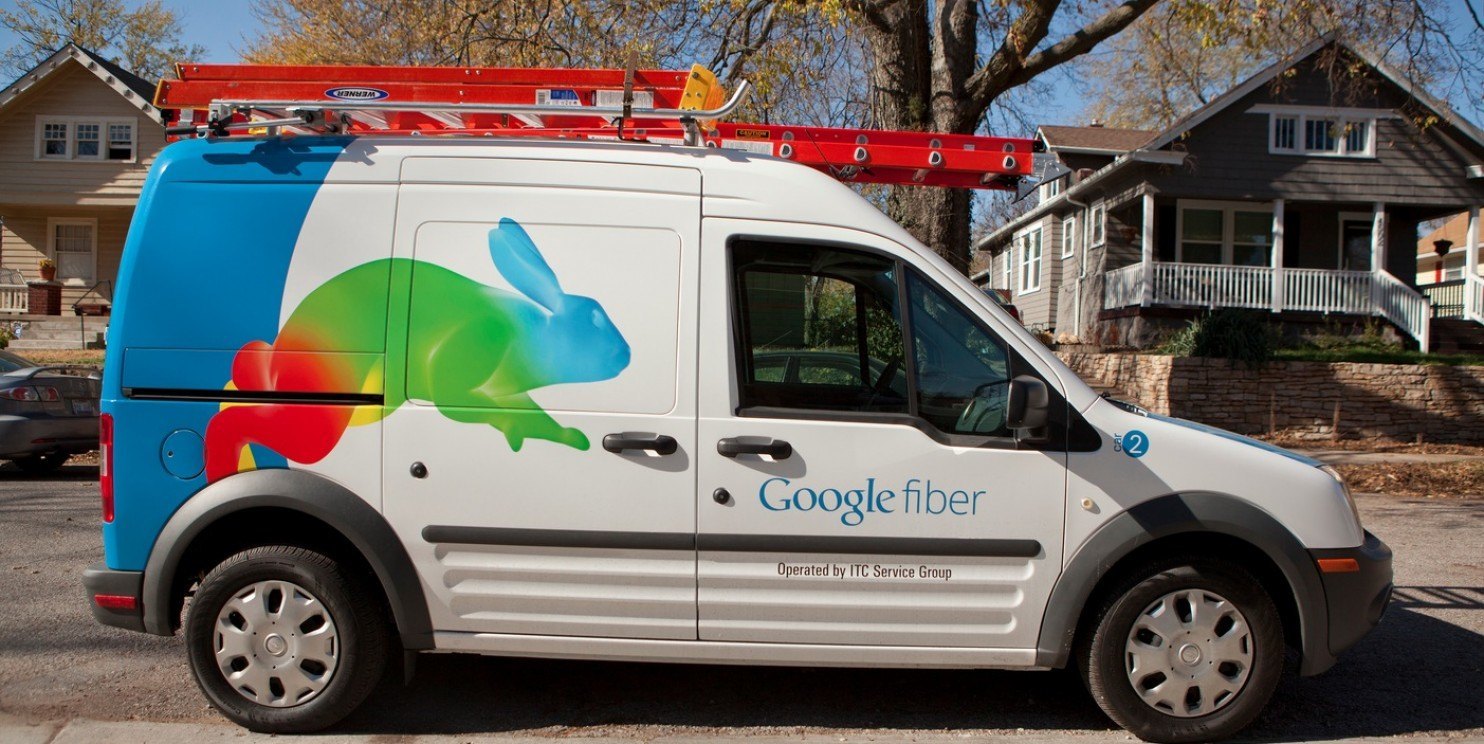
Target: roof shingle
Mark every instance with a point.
(1111, 139)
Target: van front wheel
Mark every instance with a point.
(1185, 653)
(283, 639)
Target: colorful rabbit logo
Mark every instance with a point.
(474, 351)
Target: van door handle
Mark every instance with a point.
(733, 446)
(658, 443)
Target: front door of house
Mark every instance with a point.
(1355, 244)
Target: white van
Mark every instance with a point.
(660, 403)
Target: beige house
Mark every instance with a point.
(1436, 268)
(77, 135)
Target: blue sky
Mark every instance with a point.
(223, 26)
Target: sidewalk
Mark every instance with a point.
(83, 731)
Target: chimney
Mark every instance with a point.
(1095, 124)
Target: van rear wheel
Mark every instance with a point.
(1187, 652)
(282, 639)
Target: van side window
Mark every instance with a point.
(820, 328)
(962, 372)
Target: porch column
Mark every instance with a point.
(1146, 252)
(1378, 236)
(1471, 265)
(1277, 257)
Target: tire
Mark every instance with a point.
(330, 632)
(49, 462)
(1126, 666)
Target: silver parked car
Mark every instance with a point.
(47, 413)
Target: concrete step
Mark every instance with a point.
(1454, 335)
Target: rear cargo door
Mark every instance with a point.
(541, 472)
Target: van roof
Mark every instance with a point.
(735, 183)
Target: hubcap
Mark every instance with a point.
(1189, 653)
(276, 644)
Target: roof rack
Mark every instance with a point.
(656, 106)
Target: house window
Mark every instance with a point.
(1236, 234)
(121, 141)
(1452, 273)
(1050, 189)
(1030, 261)
(1285, 133)
(1321, 133)
(1009, 258)
(1068, 237)
(74, 246)
(87, 140)
(54, 140)
(1357, 137)
(83, 139)
(1096, 225)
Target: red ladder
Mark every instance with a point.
(658, 106)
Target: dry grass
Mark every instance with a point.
(1293, 441)
(1460, 479)
(91, 357)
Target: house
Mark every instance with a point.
(1437, 261)
(77, 135)
(1298, 192)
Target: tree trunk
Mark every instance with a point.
(917, 83)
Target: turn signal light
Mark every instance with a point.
(116, 601)
(1338, 565)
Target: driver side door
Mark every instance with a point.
(857, 484)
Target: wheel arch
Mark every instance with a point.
(263, 507)
(1206, 523)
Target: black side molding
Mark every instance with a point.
(732, 543)
(254, 396)
(559, 538)
(934, 546)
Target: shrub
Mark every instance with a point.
(1240, 335)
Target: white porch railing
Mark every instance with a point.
(1474, 289)
(1327, 291)
(15, 296)
(1310, 290)
(1403, 306)
(1213, 285)
(1123, 287)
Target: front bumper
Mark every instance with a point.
(1356, 599)
(99, 580)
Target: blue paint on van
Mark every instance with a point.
(212, 280)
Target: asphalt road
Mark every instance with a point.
(1422, 671)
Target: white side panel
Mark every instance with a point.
(634, 254)
(349, 224)
(566, 591)
(1176, 458)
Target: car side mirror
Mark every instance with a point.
(1028, 405)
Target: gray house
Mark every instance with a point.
(1298, 192)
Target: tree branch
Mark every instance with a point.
(1012, 65)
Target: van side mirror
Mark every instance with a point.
(1028, 405)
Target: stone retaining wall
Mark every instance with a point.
(1390, 401)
